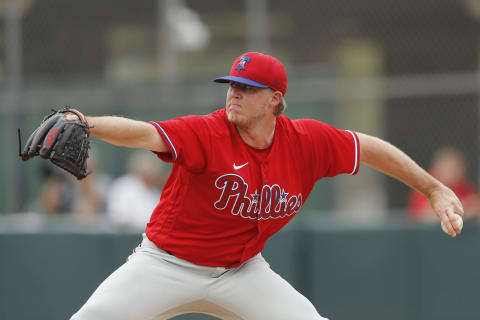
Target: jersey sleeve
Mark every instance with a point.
(188, 140)
(333, 151)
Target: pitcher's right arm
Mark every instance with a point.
(126, 132)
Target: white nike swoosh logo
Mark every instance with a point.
(240, 166)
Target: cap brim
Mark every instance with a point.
(246, 81)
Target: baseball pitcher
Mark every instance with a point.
(239, 175)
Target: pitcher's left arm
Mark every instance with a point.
(390, 160)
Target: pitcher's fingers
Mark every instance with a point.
(458, 208)
(446, 222)
(457, 226)
(452, 219)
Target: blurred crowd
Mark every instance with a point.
(127, 200)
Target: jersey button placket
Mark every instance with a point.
(264, 172)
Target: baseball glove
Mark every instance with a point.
(62, 140)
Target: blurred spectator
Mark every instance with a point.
(62, 193)
(91, 193)
(448, 166)
(56, 195)
(133, 197)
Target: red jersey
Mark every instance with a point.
(224, 199)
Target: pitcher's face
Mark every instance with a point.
(247, 105)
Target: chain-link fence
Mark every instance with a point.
(402, 70)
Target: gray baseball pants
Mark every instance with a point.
(154, 285)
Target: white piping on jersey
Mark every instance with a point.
(356, 151)
(168, 139)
